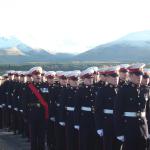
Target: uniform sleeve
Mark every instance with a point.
(78, 103)
(62, 100)
(148, 111)
(118, 113)
(99, 109)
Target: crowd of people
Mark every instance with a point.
(94, 109)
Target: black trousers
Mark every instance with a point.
(37, 134)
(38, 127)
(135, 144)
(99, 143)
(1, 119)
(51, 143)
(72, 139)
(87, 135)
(14, 121)
(60, 137)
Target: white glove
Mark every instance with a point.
(21, 110)
(9, 106)
(52, 119)
(100, 132)
(121, 138)
(16, 109)
(76, 127)
(1, 106)
(62, 123)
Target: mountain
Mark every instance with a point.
(132, 47)
(13, 50)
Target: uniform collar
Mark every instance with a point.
(134, 85)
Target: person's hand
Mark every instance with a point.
(77, 127)
(52, 119)
(121, 138)
(62, 123)
(100, 132)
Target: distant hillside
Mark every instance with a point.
(133, 47)
(13, 50)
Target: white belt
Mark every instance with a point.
(134, 114)
(108, 111)
(86, 108)
(70, 108)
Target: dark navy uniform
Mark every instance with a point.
(67, 114)
(53, 93)
(130, 111)
(1, 119)
(104, 114)
(59, 130)
(8, 93)
(15, 105)
(84, 116)
(99, 140)
(36, 114)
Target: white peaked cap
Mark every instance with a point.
(94, 68)
(113, 69)
(50, 73)
(124, 66)
(10, 71)
(5, 75)
(75, 73)
(88, 72)
(59, 73)
(17, 72)
(136, 67)
(44, 72)
(22, 73)
(36, 69)
(66, 73)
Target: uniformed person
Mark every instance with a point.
(123, 74)
(20, 92)
(15, 102)
(60, 122)
(38, 110)
(67, 106)
(84, 111)
(130, 111)
(24, 98)
(104, 107)
(8, 95)
(100, 84)
(1, 102)
(50, 78)
(123, 80)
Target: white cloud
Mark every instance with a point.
(72, 25)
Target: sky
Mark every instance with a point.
(72, 26)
